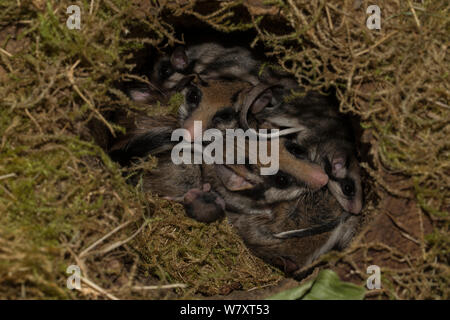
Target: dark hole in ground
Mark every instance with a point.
(194, 31)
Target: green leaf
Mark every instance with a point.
(326, 286)
(294, 293)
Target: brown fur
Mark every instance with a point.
(291, 254)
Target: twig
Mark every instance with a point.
(440, 104)
(121, 243)
(85, 251)
(99, 289)
(5, 52)
(414, 13)
(404, 232)
(376, 44)
(91, 7)
(112, 6)
(7, 192)
(375, 292)
(422, 234)
(79, 261)
(262, 287)
(167, 286)
(9, 175)
(329, 17)
(89, 103)
(34, 121)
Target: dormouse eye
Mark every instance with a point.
(296, 150)
(348, 187)
(165, 70)
(193, 96)
(224, 116)
(282, 180)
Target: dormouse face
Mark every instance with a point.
(245, 181)
(257, 101)
(167, 71)
(344, 172)
(213, 102)
(337, 157)
(324, 137)
(244, 184)
(286, 110)
(170, 69)
(208, 60)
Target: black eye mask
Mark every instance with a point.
(165, 70)
(225, 115)
(193, 96)
(347, 187)
(282, 180)
(296, 150)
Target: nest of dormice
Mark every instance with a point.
(79, 207)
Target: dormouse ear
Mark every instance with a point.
(262, 101)
(255, 100)
(339, 165)
(140, 94)
(179, 59)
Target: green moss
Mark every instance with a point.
(175, 101)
